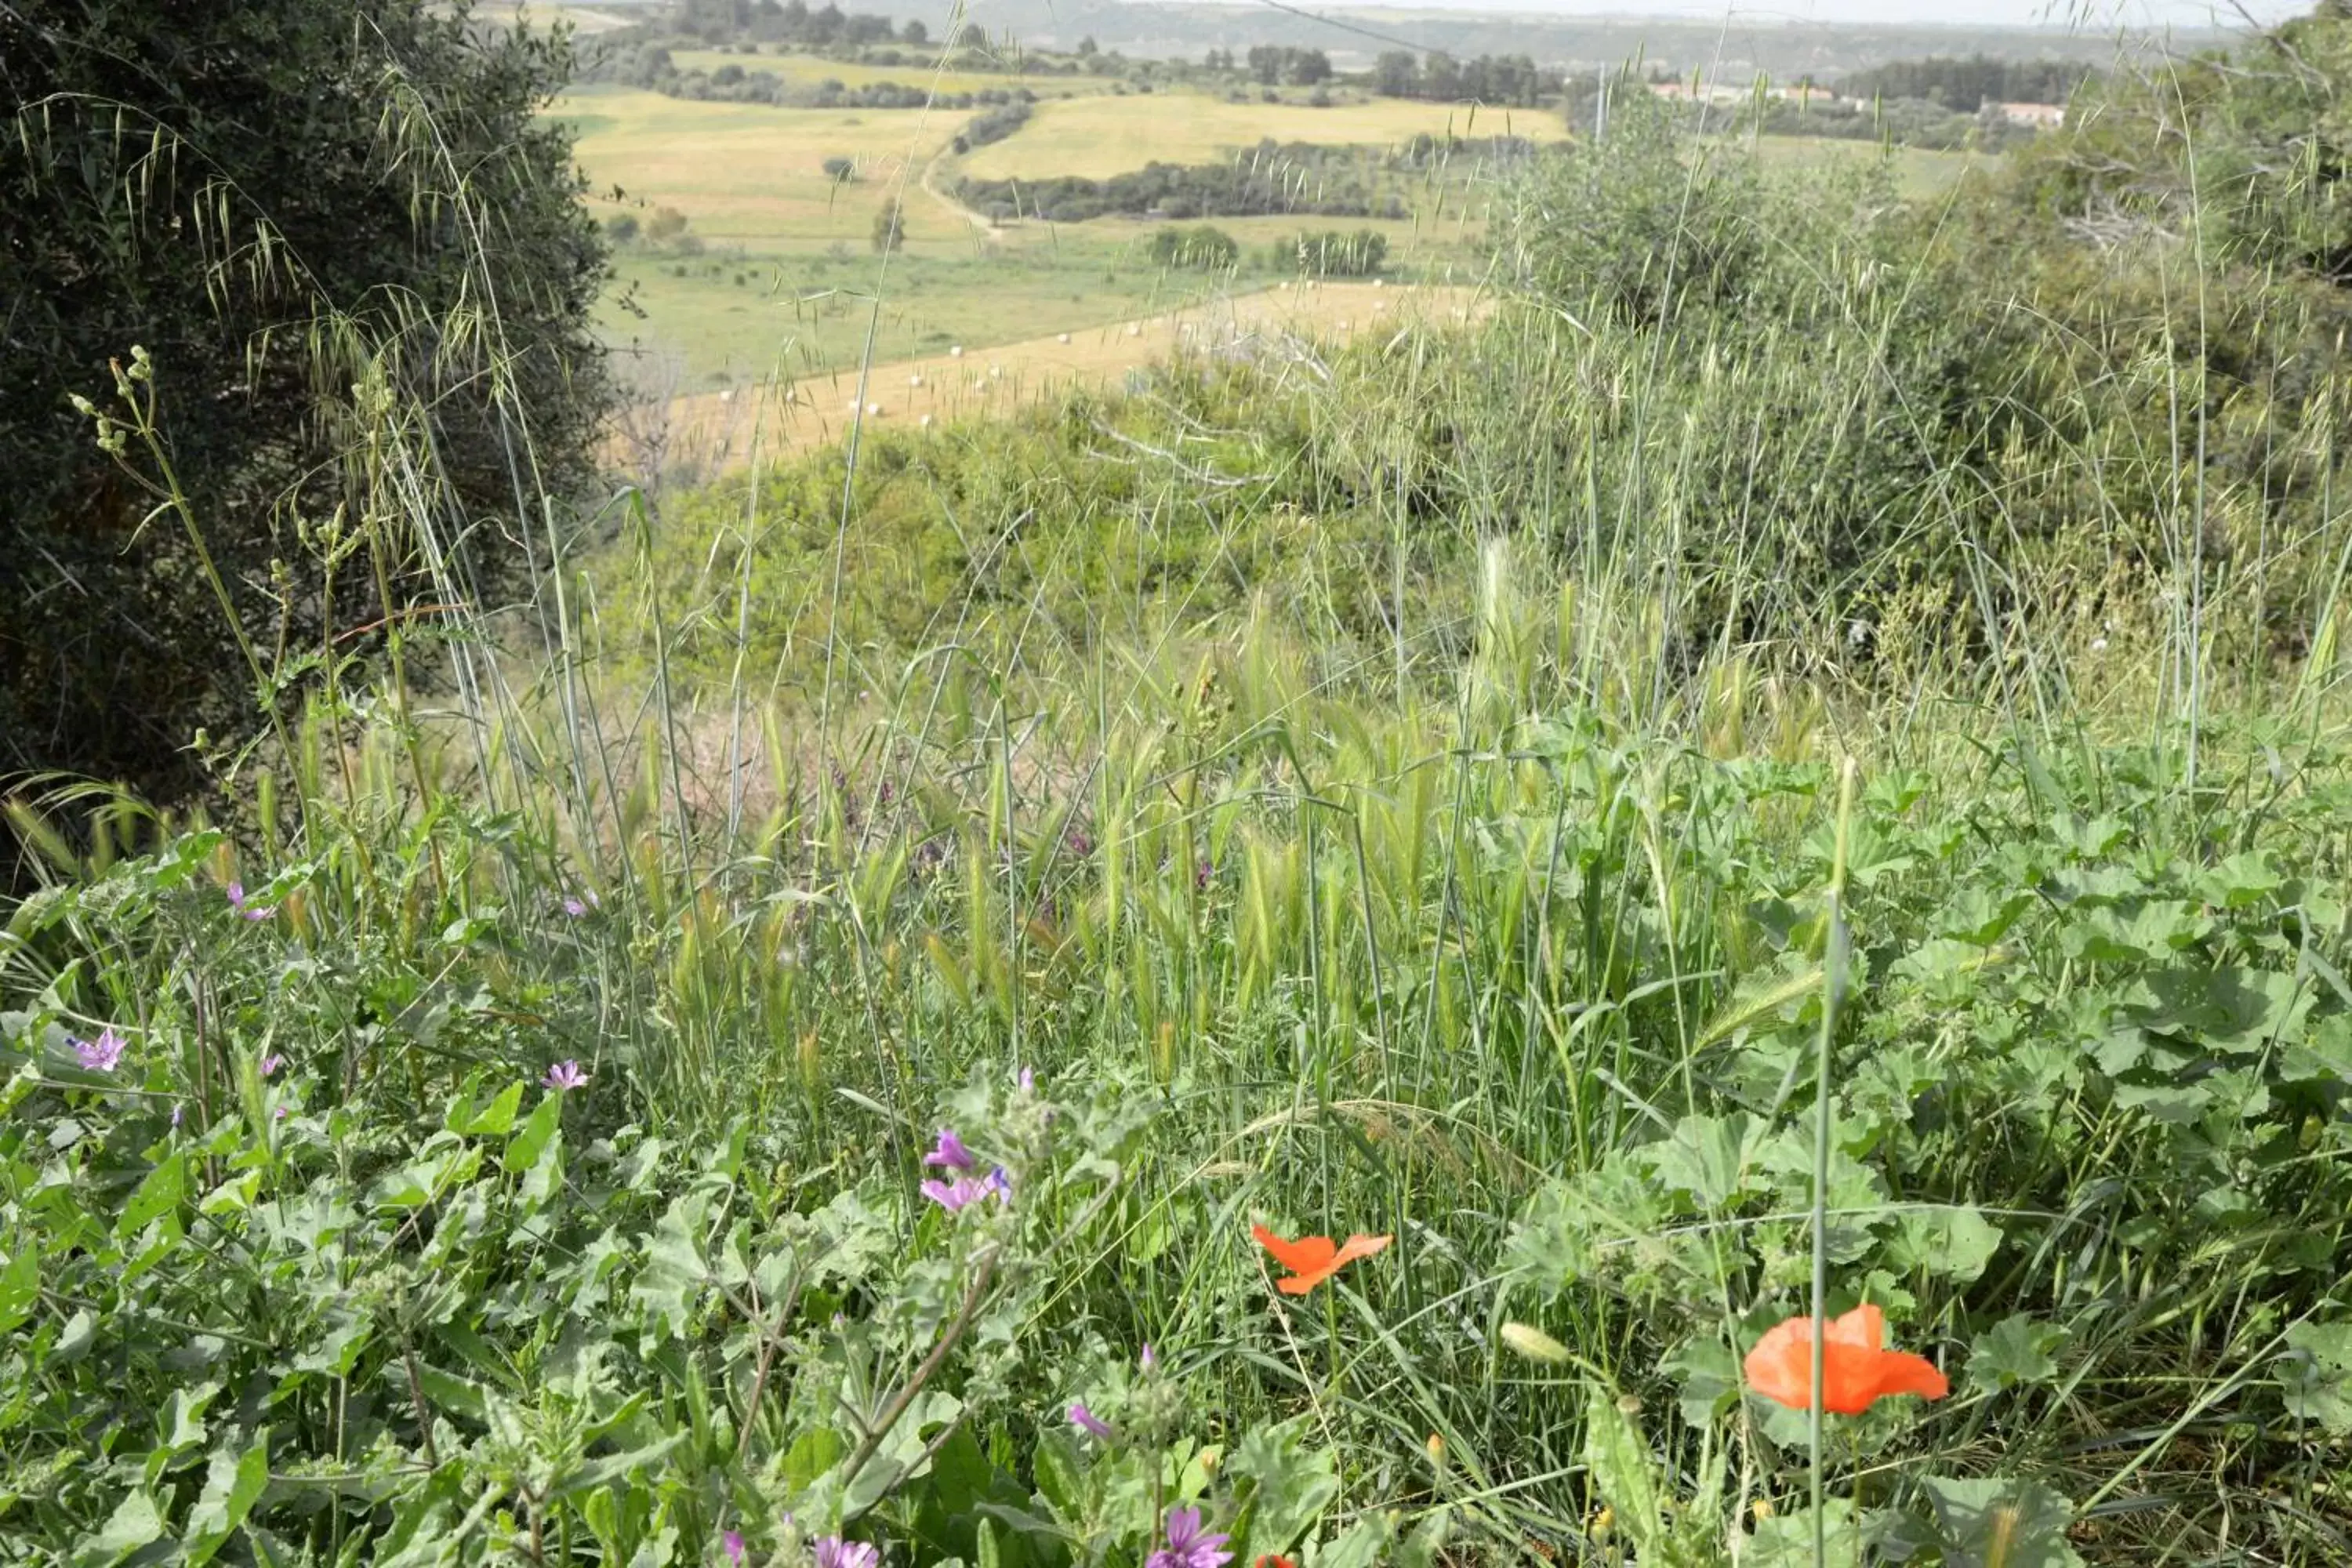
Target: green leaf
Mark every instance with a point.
(2015, 1349)
(2316, 1375)
(158, 1195)
(233, 1485)
(491, 1120)
(1708, 1157)
(1290, 1486)
(1786, 1540)
(1950, 1243)
(1707, 1374)
(20, 1287)
(135, 1522)
(1992, 1522)
(531, 1140)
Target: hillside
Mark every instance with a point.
(1134, 812)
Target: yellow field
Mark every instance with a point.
(807, 70)
(1097, 137)
(746, 173)
(714, 432)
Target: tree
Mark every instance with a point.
(1396, 74)
(914, 32)
(889, 229)
(1265, 64)
(279, 200)
(840, 170)
(1307, 67)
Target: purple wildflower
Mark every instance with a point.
(101, 1054)
(1189, 1546)
(237, 902)
(1081, 842)
(832, 1552)
(283, 1113)
(1086, 1421)
(1201, 875)
(733, 1539)
(1027, 1081)
(177, 1112)
(965, 1190)
(949, 1152)
(574, 907)
(1148, 1361)
(271, 1063)
(564, 1075)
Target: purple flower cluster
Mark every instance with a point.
(963, 1188)
(1190, 1545)
(248, 912)
(564, 1075)
(101, 1054)
(832, 1552)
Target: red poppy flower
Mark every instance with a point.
(1275, 1560)
(1856, 1370)
(1312, 1259)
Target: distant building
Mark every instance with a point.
(1696, 93)
(2043, 116)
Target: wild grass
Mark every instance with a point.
(1427, 789)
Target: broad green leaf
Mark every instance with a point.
(2015, 1349)
(2001, 1523)
(2316, 1375)
(529, 1140)
(135, 1522)
(158, 1195)
(1950, 1243)
(232, 1486)
(1786, 1540)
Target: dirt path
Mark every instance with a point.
(714, 432)
(955, 208)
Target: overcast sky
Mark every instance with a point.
(2097, 16)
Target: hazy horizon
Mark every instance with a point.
(2089, 15)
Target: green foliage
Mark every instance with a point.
(283, 202)
(1202, 247)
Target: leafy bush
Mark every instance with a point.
(1332, 254)
(299, 207)
(1203, 248)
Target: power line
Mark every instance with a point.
(1352, 28)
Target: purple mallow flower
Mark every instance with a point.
(574, 907)
(564, 1075)
(237, 902)
(951, 1153)
(1086, 1421)
(101, 1054)
(1026, 1080)
(832, 1552)
(1148, 1361)
(733, 1539)
(965, 1190)
(1189, 1546)
(271, 1063)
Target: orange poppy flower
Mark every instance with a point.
(1312, 1259)
(1275, 1560)
(1856, 1371)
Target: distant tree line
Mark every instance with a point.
(1271, 65)
(1906, 121)
(650, 66)
(1513, 79)
(1271, 178)
(789, 22)
(1965, 85)
(995, 125)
